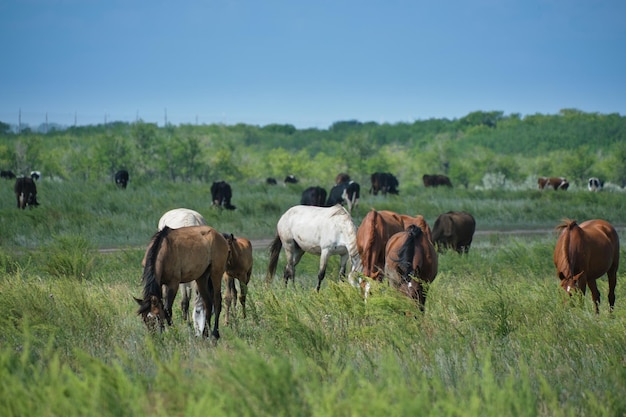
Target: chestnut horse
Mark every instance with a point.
(410, 261)
(375, 230)
(584, 253)
(175, 256)
(239, 267)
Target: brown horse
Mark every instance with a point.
(375, 230)
(239, 267)
(410, 261)
(584, 253)
(175, 256)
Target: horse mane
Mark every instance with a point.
(407, 251)
(567, 260)
(150, 284)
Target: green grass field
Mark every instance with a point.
(496, 338)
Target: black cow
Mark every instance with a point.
(271, 181)
(436, 180)
(221, 193)
(121, 178)
(384, 182)
(345, 192)
(313, 196)
(7, 175)
(291, 179)
(25, 192)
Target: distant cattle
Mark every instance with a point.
(25, 192)
(384, 182)
(271, 181)
(313, 196)
(121, 178)
(454, 230)
(556, 183)
(221, 194)
(342, 177)
(345, 192)
(35, 175)
(436, 180)
(291, 179)
(7, 175)
(595, 184)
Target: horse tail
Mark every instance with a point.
(149, 279)
(406, 253)
(275, 248)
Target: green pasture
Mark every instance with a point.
(496, 339)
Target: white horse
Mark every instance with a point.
(174, 219)
(323, 231)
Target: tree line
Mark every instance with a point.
(483, 144)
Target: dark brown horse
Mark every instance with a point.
(239, 267)
(175, 256)
(584, 253)
(410, 261)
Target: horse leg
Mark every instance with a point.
(293, 258)
(184, 302)
(342, 266)
(230, 293)
(322, 272)
(612, 276)
(171, 294)
(595, 294)
(242, 298)
(199, 314)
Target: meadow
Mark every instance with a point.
(497, 337)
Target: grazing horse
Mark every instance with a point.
(372, 235)
(322, 231)
(175, 256)
(585, 252)
(239, 267)
(454, 230)
(410, 261)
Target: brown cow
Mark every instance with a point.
(454, 229)
(556, 183)
(372, 235)
(436, 180)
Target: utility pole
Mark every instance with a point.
(46, 122)
(19, 121)
(166, 117)
(75, 119)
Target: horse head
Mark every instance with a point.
(152, 312)
(571, 285)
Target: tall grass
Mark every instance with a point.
(497, 337)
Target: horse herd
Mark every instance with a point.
(188, 254)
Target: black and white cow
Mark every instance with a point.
(35, 175)
(221, 193)
(313, 196)
(345, 193)
(25, 192)
(121, 178)
(595, 184)
(291, 179)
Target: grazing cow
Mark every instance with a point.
(121, 178)
(556, 183)
(291, 179)
(313, 196)
(384, 182)
(455, 230)
(25, 192)
(595, 184)
(7, 175)
(345, 192)
(221, 193)
(271, 181)
(372, 235)
(35, 175)
(239, 267)
(436, 180)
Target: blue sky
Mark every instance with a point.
(307, 63)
